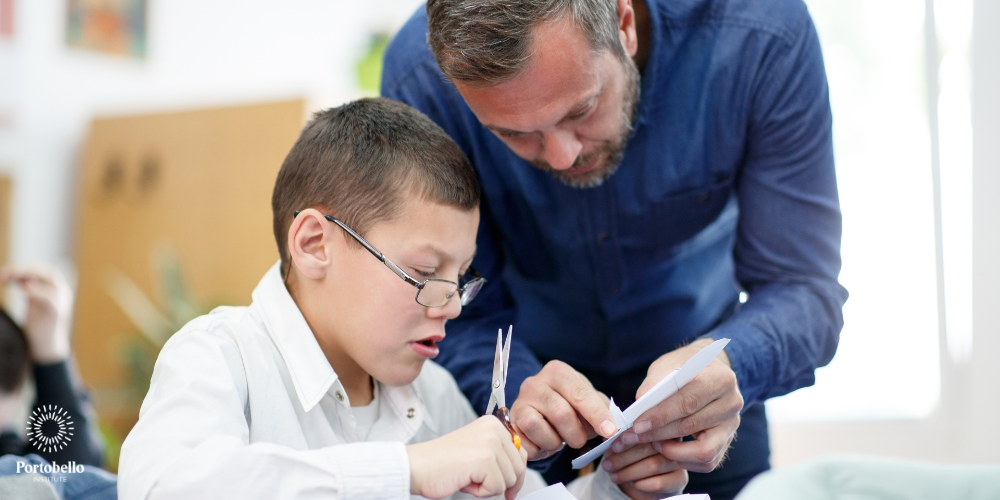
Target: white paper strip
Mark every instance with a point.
(666, 387)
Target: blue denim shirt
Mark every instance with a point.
(727, 184)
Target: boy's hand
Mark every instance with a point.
(479, 459)
(50, 305)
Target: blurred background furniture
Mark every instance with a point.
(173, 217)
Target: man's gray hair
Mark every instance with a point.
(488, 42)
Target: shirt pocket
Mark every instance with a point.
(660, 225)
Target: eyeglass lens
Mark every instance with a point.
(435, 293)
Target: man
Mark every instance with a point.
(642, 164)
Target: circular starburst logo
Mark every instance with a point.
(50, 428)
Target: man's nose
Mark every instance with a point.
(561, 149)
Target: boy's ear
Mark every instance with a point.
(308, 239)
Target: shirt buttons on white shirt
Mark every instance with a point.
(410, 412)
(339, 395)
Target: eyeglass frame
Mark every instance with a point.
(460, 290)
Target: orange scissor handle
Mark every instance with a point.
(504, 417)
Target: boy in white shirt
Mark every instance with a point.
(320, 388)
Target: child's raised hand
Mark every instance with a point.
(50, 305)
(479, 459)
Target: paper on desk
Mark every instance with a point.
(555, 492)
(559, 492)
(663, 389)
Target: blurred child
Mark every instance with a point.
(43, 348)
(321, 387)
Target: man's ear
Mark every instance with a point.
(626, 27)
(309, 244)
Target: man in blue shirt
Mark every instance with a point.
(642, 163)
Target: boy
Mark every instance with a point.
(320, 388)
(313, 389)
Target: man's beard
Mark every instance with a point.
(615, 150)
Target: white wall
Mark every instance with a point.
(985, 371)
(200, 53)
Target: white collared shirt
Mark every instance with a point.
(244, 404)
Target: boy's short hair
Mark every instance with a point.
(355, 162)
(14, 359)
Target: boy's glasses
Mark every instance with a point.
(430, 293)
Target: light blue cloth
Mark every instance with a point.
(91, 484)
(869, 478)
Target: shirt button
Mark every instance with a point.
(410, 412)
(339, 395)
(603, 237)
(703, 197)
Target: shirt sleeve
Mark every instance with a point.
(54, 386)
(193, 441)
(787, 248)
(410, 75)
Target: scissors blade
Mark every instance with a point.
(497, 382)
(506, 354)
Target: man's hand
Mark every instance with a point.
(559, 406)
(707, 408)
(479, 459)
(50, 305)
(643, 473)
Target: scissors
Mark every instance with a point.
(499, 383)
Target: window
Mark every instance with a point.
(885, 120)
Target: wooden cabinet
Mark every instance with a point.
(196, 185)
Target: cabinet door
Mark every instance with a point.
(193, 185)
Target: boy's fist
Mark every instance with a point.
(479, 459)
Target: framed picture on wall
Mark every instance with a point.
(116, 27)
(6, 19)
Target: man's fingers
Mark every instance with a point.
(560, 413)
(716, 382)
(707, 386)
(559, 406)
(536, 434)
(725, 410)
(543, 454)
(613, 462)
(664, 484)
(581, 395)
(648, 467)
(704, 453)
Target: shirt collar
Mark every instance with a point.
(648, 81)
(311, 373)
